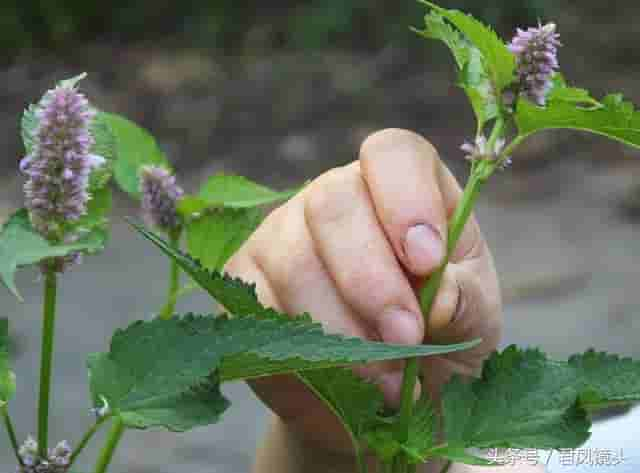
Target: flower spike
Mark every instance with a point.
(160, 195)
(536, 50)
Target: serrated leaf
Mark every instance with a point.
(355, 401)
(473, 73)
(614, 118)
(500, 62)
(149, 375)
(216, 235)
(7, 377)
(239, 192)
(606, 379)
(560, 91)
(135, 147)
(241, 300)
(21, 245)
(524, 400)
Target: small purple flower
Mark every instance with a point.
(60, 162)
(480, 150)
(160, 195)
(57, 461)
(536, 50)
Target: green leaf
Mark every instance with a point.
(606, 379)
(240, 299)
(239, 192)
(499, 61)
(149, 375)
(562, 92)
(524, 400)
(217, 234)
(135, 148)
(21, 245)
(355, 401)
(613, 118)
(190, 206)
(7, 377)
(473, 73)
(98, 210)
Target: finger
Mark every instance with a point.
(401, 172)
(359, 258)
(302, 283)
(467, 307)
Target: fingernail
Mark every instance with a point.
(424, 248)
(400, 326)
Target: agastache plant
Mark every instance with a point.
(165, 371)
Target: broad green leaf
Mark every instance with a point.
(606, 379)
(355, 401)
(239, 192)
(473, 74)
(499, 61)
(217, 234)
(615, 118)
(153, 367)
(7, 378)
(524, 400)
(98, 210)
(21, 245)
(564, 93)
(240, 299)
(135, 148)
(190, 206)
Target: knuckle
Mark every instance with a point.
(398, 140)
(327, 198)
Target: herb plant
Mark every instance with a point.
(166, 372)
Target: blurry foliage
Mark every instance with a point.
(234, 24)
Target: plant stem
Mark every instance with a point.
(106, 454)
(46, 358)
(174, 278)
(11, 433)
(406, 406)
(85, 439)
(477, 178)
(446, 467)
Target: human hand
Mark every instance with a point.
(352, 249)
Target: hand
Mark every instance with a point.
(352, 249)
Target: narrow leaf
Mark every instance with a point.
(614, 118)
(473, 74)
(239, 192)
(7, 377)
(500, 62)
(21, 245)
(217, 234)
(135, 148)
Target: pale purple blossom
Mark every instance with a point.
(60, 162)
(481, 150)
(160, 195)
(57, 461)
(536, 50)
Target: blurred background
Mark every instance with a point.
(281, 91)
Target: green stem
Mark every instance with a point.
(406, 406)
(85, 439)
(106, 454)
(11, 433)
(174, 278)
(46, 359)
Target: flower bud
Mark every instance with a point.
(160, 195)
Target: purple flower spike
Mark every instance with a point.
(160, 195)
(57, 461)
(536, 50)
(59, 165)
